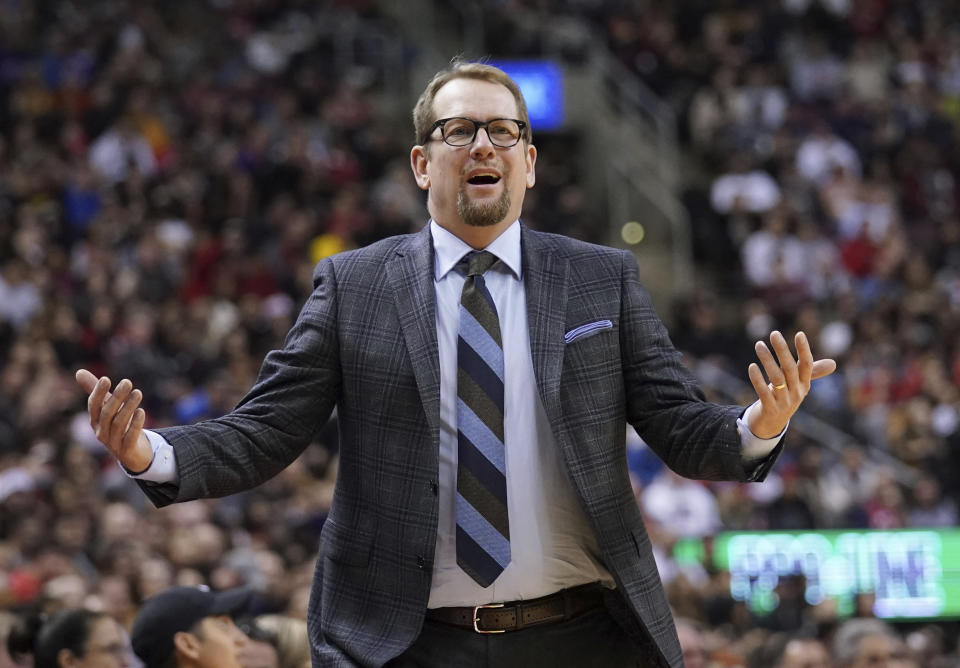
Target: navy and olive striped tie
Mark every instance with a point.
(483, 527)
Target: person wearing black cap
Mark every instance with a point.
(190, 627)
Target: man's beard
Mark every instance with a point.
(476, 214)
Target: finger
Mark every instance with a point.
(788, 365)
(132, 435)
(823, 368)
(804, 358)
(122, 420)
(95, 403)
(770, 366)
(86, 380)
(759, 383)
(110, 409)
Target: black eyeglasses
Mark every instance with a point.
(503, 132)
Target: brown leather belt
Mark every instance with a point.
(515, 615)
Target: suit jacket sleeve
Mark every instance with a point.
(295, 393)
(665, 404)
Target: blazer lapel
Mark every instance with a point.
(411, 276)
(545, 281)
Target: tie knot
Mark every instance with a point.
(477, 262)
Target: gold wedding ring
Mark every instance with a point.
(780, 386)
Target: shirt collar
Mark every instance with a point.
(448, 249)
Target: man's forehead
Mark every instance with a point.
(475, 98)
(216, 619)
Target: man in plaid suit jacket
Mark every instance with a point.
(371, 340)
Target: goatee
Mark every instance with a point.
(485, 214)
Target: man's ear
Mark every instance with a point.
(418, 163)
(67, 659)
(186, 644)
(531, 161)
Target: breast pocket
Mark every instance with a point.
(591, 348)
(587, 329)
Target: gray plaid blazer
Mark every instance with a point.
(366, 343)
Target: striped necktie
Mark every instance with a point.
(483, 528)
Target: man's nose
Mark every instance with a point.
(482, 146)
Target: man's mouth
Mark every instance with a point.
(483, 179)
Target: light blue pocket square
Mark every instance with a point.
(586, 330)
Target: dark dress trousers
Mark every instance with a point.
(366, 343)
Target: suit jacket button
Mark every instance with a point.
(434, 487)
(421, 562)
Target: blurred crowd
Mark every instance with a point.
(169, 176)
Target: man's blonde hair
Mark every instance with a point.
(424, 115)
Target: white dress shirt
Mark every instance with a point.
(551, 543)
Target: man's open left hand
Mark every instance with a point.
(789, 381)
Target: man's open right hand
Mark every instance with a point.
(117, 420)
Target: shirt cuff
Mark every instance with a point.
(163, 468)
(754, 447)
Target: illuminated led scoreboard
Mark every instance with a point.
(912, 574)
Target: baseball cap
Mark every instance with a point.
(177, 609)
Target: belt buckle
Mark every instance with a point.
(476, 618)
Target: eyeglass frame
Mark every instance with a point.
(477, 126)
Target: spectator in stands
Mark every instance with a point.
(681, 507)
(122, 149)
(930, 508)
(847, 486)
(773, 257)
(191, 627)
(288, 636)
(19, 294)
(76, 638)
(804, 653)
(822, 152)
(862, 643)
(744, 188)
